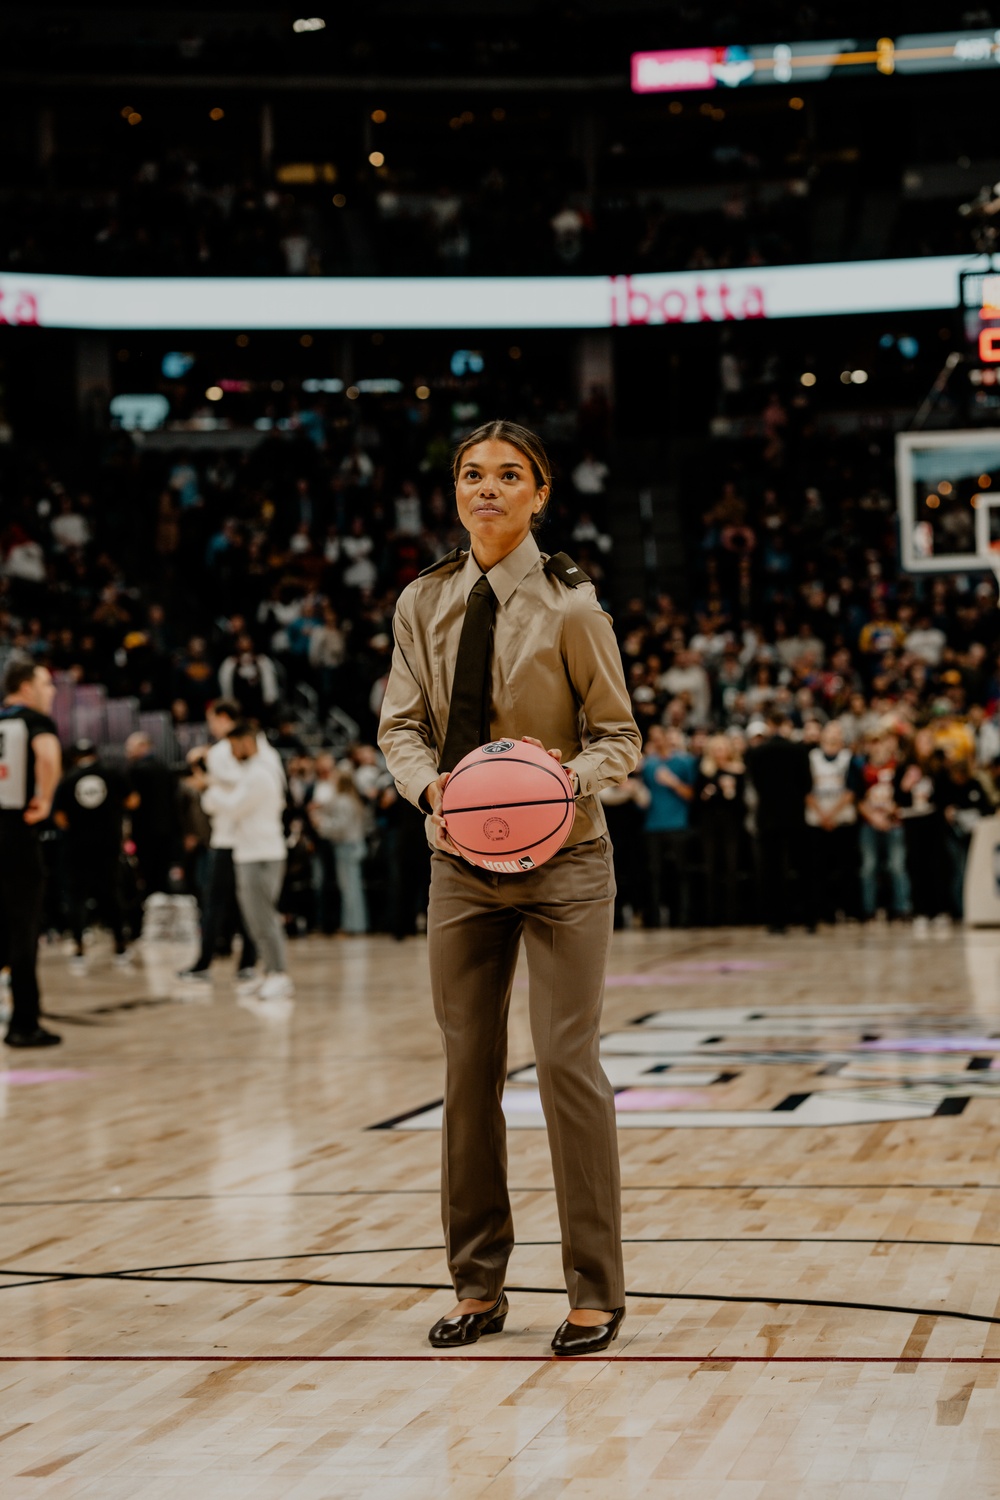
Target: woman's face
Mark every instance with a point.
(497, 497)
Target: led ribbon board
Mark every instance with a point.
(189, 304)
(674, 72)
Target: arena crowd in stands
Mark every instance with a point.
(807, 711)
(175, 217)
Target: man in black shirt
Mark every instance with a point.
(778, 769)
(30, 765)
(155, 815)
(88, 808)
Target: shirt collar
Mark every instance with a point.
(506, 575)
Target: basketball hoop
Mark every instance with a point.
(988, 533)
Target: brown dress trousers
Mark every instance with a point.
(556, 675)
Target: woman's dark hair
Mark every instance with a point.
(524, 440)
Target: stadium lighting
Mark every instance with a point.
(807, 378)
(859, 377)
(377, 159)
(214, 393)
(313, 23)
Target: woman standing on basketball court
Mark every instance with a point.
(504, 641)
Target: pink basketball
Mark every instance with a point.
(508, 807)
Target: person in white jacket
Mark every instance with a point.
(254, 806)
(219, 907)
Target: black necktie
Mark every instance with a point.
(469, 711)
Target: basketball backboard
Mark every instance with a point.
(948, 494)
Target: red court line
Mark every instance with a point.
(502, 1359)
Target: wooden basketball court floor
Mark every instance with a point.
(221, 1248)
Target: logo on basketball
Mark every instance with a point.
(498, 747)
(496, 830)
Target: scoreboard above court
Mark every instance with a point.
(813, 62)
(980, 309)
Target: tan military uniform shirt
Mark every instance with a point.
(556, 675)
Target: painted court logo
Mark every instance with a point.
(825, 1066)
(498, 747)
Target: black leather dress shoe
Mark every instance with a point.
(574, 1338)
(453, 1333)
(37, 1038)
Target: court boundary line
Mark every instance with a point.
(665, 1239)
(54, 1278)
(665, 1187)
(710, 1360)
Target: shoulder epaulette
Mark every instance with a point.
(560, 565)
(450, 557)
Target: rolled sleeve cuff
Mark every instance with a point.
(587, 780)
(416, 787)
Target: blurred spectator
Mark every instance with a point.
(923, 829)
(252, 678)
(831, 861)
(720, 804)
(883, 844)
(624, 808)
(322, 815)
(669, 773)
(964, 797)
(686, 677)
(590, 475)
(341, 820)
(89, 808)
(194, 677)
(154, 808)
(778, 769)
